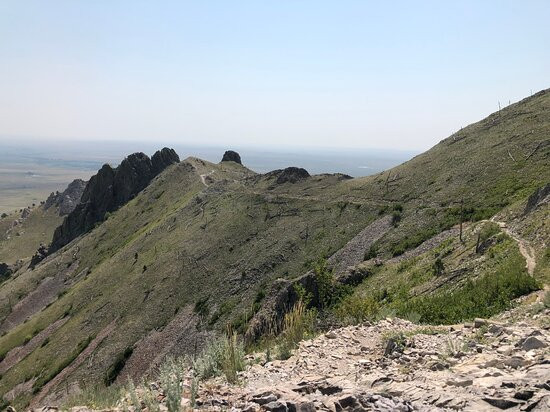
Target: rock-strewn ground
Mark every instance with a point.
(500, 364)
(395, 365)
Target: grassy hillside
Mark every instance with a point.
(21, 241)
(198, 248)
(205, 250)
(474, 173)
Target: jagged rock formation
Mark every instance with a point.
(39, 256)
(289, 174)
(231, 156)
(67, 200)
(108, 190)
(540, 196)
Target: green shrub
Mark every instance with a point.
(221, 356)
(482, 297)
(438, 267)
(371, 252)
(330, 291)
(297, 325)
(395, 218)
(488, 230)
(94, 397)
(171, 375)
(357, 309)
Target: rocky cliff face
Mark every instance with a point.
(108, 190)
(67, 200)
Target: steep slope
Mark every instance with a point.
(202, 244)
(21, 234)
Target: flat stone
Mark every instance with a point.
(460, 382)
(501, 403)
(264, 398)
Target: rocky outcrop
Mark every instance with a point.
(5, 271)
(67, 200)
(110, 189)
(162, 159)
(540, 196)
(231, 156)
(289, 174)
(39, 256)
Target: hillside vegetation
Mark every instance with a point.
(201, 246)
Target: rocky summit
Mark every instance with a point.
(231, 156)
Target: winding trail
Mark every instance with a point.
(525, 248)
(204, 176)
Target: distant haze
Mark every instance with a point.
(346, 74)
(30, 170)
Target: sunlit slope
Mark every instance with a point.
(187, 241)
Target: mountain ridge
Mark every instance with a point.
(199, 247)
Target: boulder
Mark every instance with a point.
(231, 156)
(531, 343)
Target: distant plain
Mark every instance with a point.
(31, 170)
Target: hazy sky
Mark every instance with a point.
(386, 74)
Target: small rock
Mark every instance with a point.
(264, 398)
(276, 406)
(300, 406)
(249, 407)
(349, 401)
(461, 382)
(516, 362)
(437, 366)
(532, 343)
(331, 335)
(524, 394)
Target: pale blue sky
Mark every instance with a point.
(385, 74)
